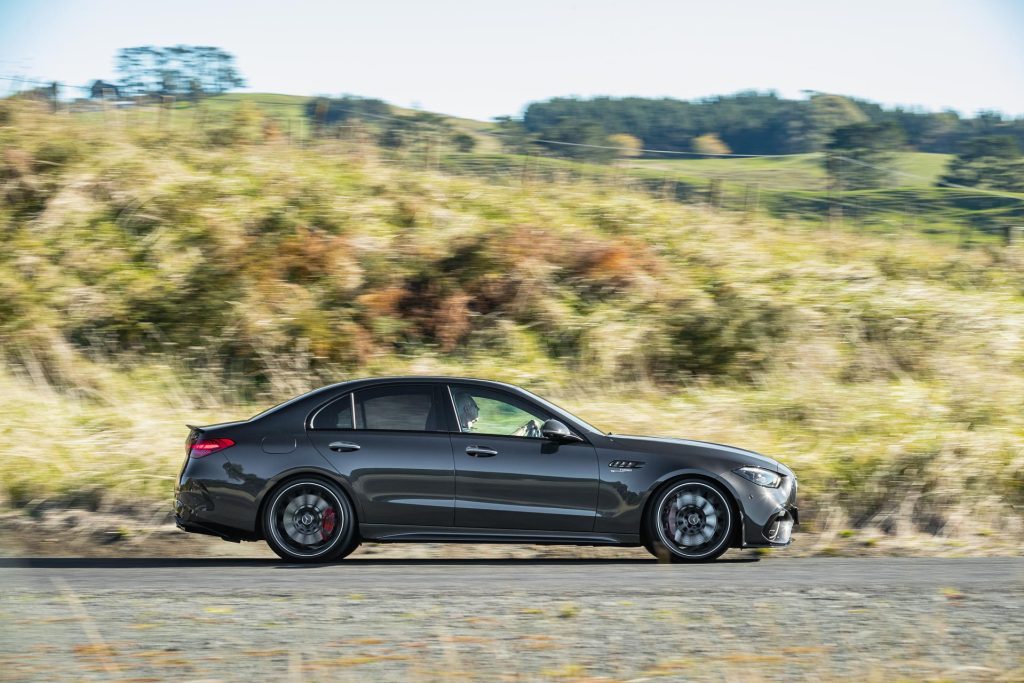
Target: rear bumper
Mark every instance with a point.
(195, 509)
(188, 519)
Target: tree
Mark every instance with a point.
(825, 114)
(326, 111)
(464, 142)
(584, 141)
(992, 162)
(627, 146)
(710, 144)
(180, 70)
(857, 155)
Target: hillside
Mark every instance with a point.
(155, 275)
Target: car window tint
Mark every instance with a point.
(397, 408)
(335, 415)
(484, 411)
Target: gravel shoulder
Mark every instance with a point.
(519, 620)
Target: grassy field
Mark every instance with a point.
(151, 277)
(797, 172)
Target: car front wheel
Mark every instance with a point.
(309, 520)
(691, 521)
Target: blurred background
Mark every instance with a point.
(792, 228)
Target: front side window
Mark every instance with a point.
(486, 411)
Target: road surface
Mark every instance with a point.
(521, 620)
(487, 577)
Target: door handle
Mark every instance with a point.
(481, 451)
(343, 446)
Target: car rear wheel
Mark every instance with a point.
(309, 520)
(691, 521)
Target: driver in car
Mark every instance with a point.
(469, 415)
(468, 410)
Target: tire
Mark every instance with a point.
(310, 520)
(691, 520)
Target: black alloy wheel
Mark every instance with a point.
(309, 520)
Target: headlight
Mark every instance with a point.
(760, 476)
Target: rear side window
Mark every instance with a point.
(396, 407)
(406, 408)
(335, 415)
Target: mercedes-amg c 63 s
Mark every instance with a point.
(426, 459)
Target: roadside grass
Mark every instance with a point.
(150, 278)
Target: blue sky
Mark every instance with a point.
(481, 59)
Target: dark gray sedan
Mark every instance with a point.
(443, 459)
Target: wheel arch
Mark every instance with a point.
(298, 473)
(731, 496)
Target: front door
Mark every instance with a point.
(507, 476)
(391, 443)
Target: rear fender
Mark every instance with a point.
(295, 473)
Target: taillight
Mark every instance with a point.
(204, 447)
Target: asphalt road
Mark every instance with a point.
(524, 620)
(488, 577)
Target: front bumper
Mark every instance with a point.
(779, 531)
(769, 515)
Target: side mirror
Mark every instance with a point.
(558, 432)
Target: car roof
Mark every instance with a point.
(311, 396)
(419, 378)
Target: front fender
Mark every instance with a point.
(623, 496)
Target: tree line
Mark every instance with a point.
(859, 138)
(181, 71)
(754, 122)
(987, 146)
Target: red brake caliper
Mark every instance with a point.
(327, 526)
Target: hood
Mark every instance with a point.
(664, 444)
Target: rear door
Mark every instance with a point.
(391, 442)
(507, 476)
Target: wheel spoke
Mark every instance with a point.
(308, 520)
(694, 520)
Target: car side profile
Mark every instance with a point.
(442, 459)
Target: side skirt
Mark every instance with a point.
(390, 533)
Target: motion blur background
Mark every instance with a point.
(793, 228)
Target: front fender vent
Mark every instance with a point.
(619, 465)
